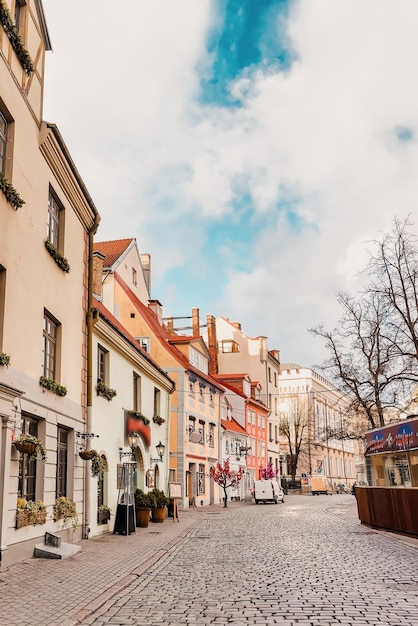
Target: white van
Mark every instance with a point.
(268, 491)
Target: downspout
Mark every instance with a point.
(91, 232)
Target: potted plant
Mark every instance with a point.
(29, 512)
(64, 508)
(158, 514)
(31, 445)
(103, 514)
(144, 504)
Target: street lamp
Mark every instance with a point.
(160, 447)
(132, 440)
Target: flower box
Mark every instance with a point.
(103, 517)
(26, 518)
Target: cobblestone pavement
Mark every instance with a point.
(306, 562)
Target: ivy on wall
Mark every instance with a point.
(15, 40)
(57, 256)
(10, 192)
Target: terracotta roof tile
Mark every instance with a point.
(111, 249)
(107, 315)
(161, 334)
(234, 426)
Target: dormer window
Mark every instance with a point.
(144, 342)
(198, 360)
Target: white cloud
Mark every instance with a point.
(123, 93)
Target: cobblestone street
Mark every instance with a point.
(304, 562)
(307, 561)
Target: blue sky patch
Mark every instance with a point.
(244, 38)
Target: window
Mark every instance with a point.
(3, 143)
(157, 401)
(229, 345)
(27, 469)
(192, 423)
(275, 379)
(198, 360)
(49, 346)
(227, 446)
(54, 220)
(144, 342)
(202, 393)
(102, 364)
(201, 479)
(19, 16)
(202, 431)
(134, 277)
(211, 435)
(62, 462)
(136, 392)
(269, 374)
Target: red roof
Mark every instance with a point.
(165, 338)
(107, 315)
(234, 426)
(112, 250)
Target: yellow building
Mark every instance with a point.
(194, 424)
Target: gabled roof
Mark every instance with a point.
(238, 392)
(110, 319)
(164, 337)
(112, 250)
(233, 426)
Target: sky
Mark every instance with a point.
(254, 148)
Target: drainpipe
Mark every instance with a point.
(91, 233)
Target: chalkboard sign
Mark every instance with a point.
(174, 490)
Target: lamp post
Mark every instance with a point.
(160, 447)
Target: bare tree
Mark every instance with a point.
(373, 352)
(393, 268)
(294, 427)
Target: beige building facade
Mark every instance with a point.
(47, 219)
(237, 352)
(319, 403)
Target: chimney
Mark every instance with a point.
(157, 308)
(263, 348)
(212, 344)
(98, 259)
(195, 323)
(146, 270)
(170, 326)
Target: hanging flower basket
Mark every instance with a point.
(26, 447)
(31, 445)
(87, 455)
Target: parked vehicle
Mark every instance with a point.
(319, 486)
(341, 488)
(268, 491)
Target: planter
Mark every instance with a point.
(142, 517)
(25, 518)
(103, 517)
(158, 515)
(87, 455)
(26, 447)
